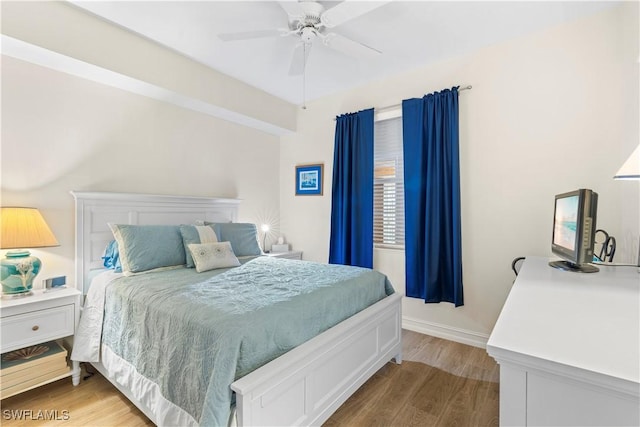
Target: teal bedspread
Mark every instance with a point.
(195, 333)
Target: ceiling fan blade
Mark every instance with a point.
(349, 47)
(246, 35)
(348, 10)
(299, 59)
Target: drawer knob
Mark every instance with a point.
(35, 328)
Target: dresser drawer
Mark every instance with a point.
(35, 327)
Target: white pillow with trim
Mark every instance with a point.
(210, 256)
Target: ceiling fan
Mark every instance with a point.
(309, 21)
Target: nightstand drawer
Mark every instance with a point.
(36, 327)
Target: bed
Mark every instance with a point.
(303, 386)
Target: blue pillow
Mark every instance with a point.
(242, 236)
(148, 247)
(112, 257)
(196, 234)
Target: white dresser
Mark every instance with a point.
(568, 345)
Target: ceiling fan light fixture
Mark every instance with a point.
(307, 34)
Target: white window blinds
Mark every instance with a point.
(388, 184)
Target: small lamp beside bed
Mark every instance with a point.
(265, 231)
(22, 228)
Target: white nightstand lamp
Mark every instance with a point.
(630, 170)
(631, 167)
(265, 231)
(22, 228)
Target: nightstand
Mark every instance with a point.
(288, 255)
(39, 318)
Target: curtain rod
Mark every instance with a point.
(400, 105)
(467, 87)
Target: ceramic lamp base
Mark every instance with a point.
(17, 272)
(20, 295)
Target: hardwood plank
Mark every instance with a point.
(443, 384)
(94, 402)
(362, 400)
(413, 343)
(439, 383)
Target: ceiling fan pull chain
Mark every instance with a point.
(304, 76)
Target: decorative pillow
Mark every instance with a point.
(196, 234)
(111, 257)
(209, 256)
(148, 247)
(242, 236)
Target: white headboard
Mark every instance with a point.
(94, 210)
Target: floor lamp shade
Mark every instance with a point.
(22, 228)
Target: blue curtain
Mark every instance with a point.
(433, 248)
(352, 192)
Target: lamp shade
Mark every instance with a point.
(631, 168)
(24, 228)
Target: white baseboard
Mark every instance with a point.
(446, 332)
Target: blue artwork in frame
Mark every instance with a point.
(309, 180)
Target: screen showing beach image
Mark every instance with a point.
(566, 222)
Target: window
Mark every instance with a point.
(388, 184)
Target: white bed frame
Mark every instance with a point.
(302, 387)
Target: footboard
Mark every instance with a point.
(307, 384)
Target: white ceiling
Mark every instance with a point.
(409, 34)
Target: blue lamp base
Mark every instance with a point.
(17, 272)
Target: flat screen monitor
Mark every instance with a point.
(574, 224)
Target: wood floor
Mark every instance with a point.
(439, 383)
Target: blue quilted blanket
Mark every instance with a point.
(194, 334)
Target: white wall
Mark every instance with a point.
(62, 28)
(62, 133)
(548, 113)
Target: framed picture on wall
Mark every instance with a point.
(309, 180)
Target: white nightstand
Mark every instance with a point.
(288, 255)
(41, 317)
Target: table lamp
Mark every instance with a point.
(630, 170)
(22, 228)
(265, 231)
